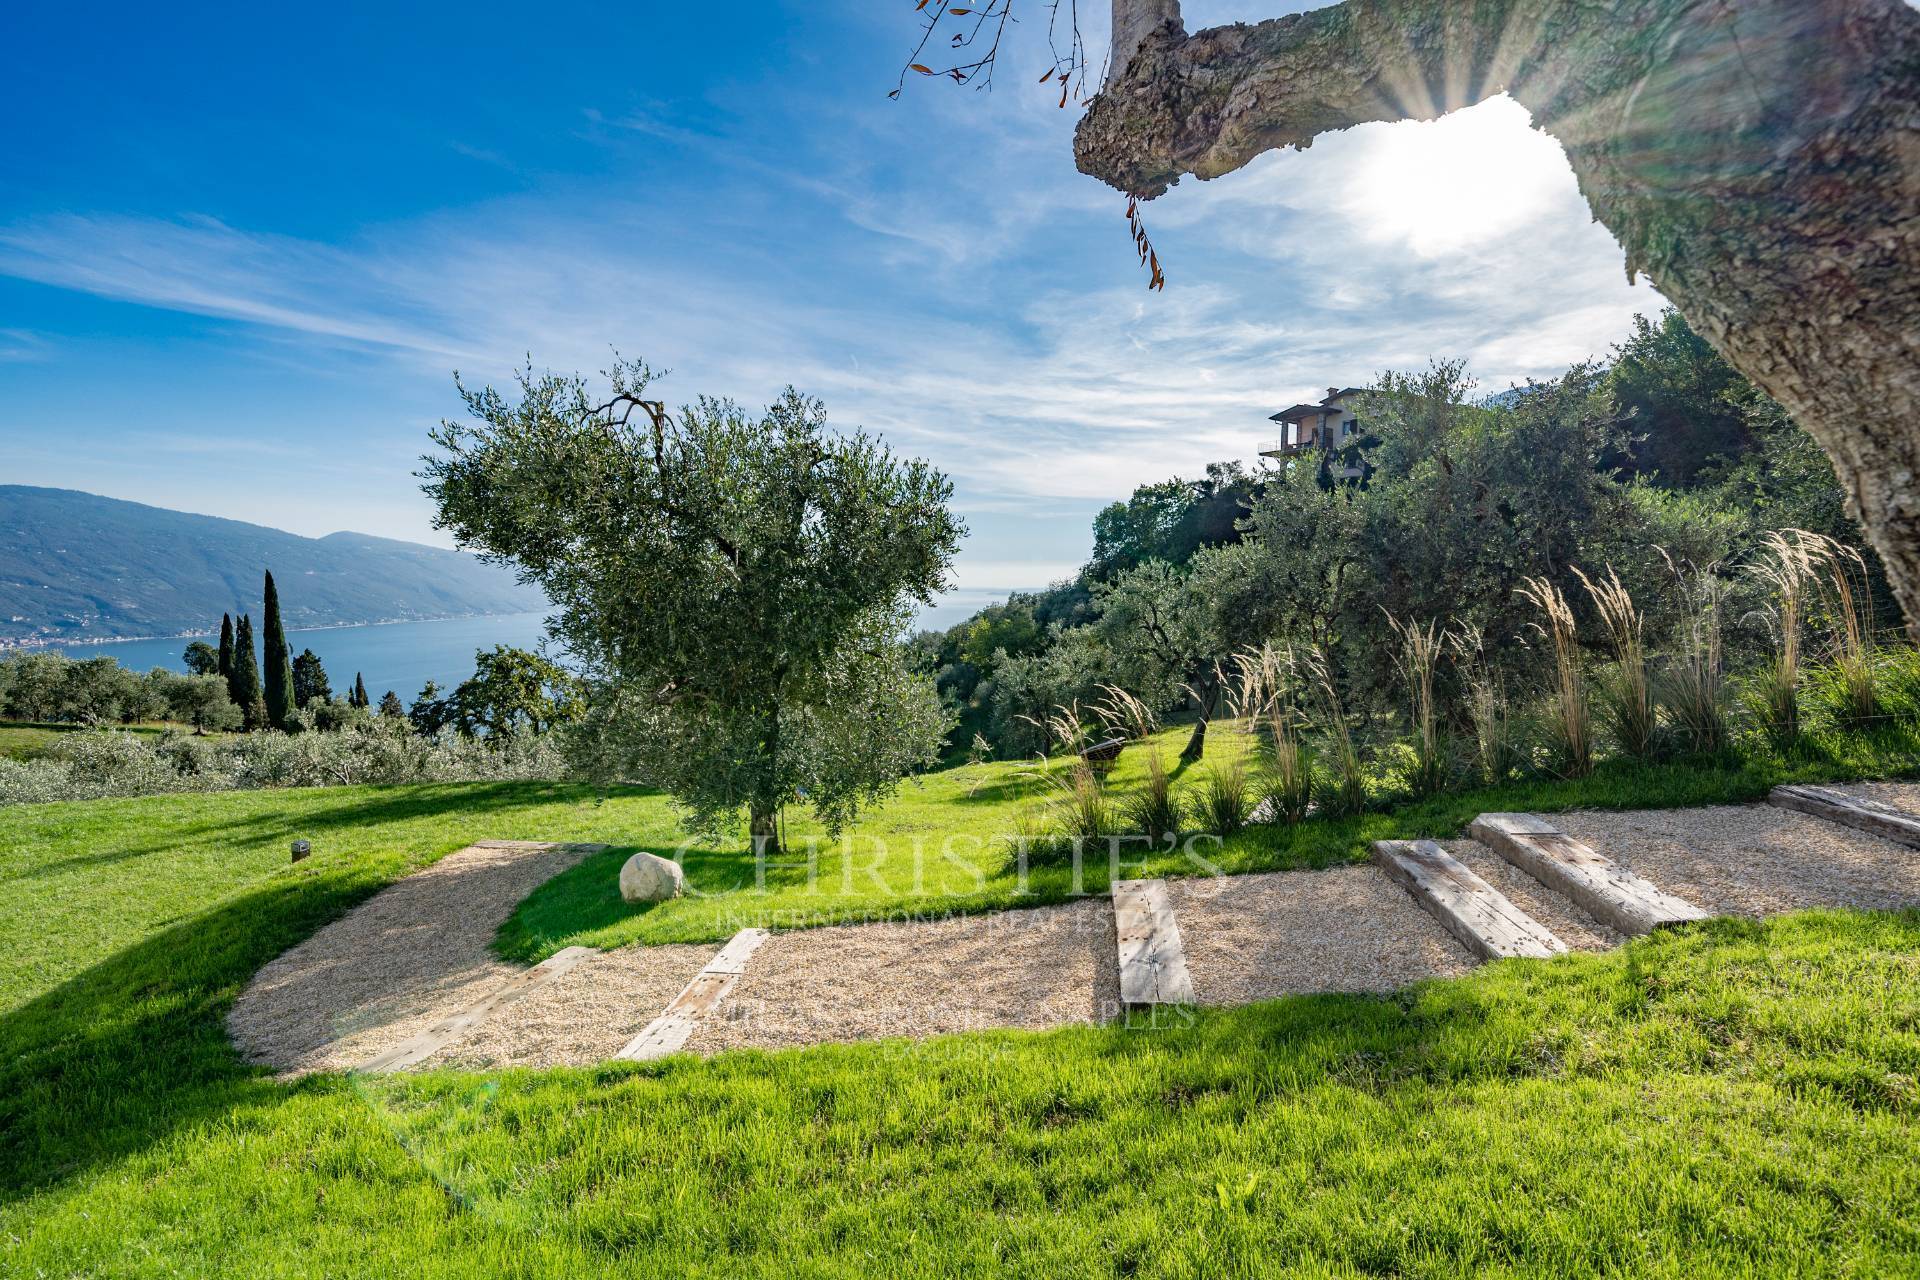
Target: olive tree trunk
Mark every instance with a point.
(1759, 161)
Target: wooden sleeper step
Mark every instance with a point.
(1858, 812)
(1607, 890)
(669, 1032)
(1482, 917)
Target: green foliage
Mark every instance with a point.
(732, 584)
(201, 659)
(277, 690)
(431, 713)
(310, 681)
(225, 669)
(243, 683)
(1159, 630)
(513, 691)
(1681, 400)
(391, 708)
(200, 701)
(1223, 802)
(1171, 521)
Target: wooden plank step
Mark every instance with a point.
(420, 1047)
(1153, 963)
(1858, 812)
(1482, 917)
(1610, 892)
(669, 1032)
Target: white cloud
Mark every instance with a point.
(990, 320)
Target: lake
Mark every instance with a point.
(401, 656)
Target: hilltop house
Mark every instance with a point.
(1329, 427)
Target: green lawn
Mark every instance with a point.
(29, 740)
(1732, 1098)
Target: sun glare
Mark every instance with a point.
(1445, 185)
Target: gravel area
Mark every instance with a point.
(418, 951)
(1901, 795)
(407, 957)
(1258, 937)
(1755, 859)
(585, 1016)
(1037, 968)
(1567, 919)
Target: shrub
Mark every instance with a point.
(1348, 793)
(86, 766)
(1224, 800)
(1495, 748)
(1786, 566)
(1694, 687)
(1854, 693)
(1626, 694)
(1417, 658)
(1572, 732)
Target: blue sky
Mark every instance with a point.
(243, 248)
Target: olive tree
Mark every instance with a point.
(1159, 626)
(732, 584)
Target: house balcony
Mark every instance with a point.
(1285, 448)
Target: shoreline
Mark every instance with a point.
(7, 643)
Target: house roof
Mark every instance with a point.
(1300, 412)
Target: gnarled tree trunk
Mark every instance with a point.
(1759, 160)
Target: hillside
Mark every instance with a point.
(78, 566)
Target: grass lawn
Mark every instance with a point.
(1732, 1098)
(29, 740)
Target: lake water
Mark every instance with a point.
(401, 656)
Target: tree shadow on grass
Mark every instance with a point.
(372, 806)
(111, 1059)
(135, 1047)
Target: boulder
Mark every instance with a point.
(648, 878)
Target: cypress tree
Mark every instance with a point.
(225, 669)
(244, 684)
(360, 691)
(278, 673)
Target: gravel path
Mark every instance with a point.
(418, 951)
(584, 1017)
(1755, 859)
(1901, 795)
(1036, 968)
(1348, 929)
(1567, 919)
(410, 955)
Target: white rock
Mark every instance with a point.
(647, 878)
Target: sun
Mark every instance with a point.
(1442, 186)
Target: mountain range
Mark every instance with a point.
(77, 566)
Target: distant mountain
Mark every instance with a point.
(76, 566)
